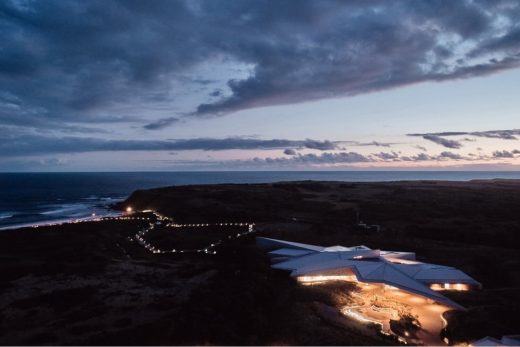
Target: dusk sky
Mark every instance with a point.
(259, 85)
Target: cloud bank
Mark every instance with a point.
(67, 63)
(30, 144)
(440, 138)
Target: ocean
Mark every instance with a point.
(40, 198)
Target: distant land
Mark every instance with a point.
(94, 282)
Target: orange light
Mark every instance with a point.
(324, 278)
(129, 209)
(450, 286)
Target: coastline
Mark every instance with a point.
(82, 283)
(61, 221)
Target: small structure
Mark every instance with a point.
(310, 263)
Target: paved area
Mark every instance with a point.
(379, 304)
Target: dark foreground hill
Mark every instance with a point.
(92, 283)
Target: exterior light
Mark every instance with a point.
(129, 209)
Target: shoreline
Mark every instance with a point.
(69, 283)
(61, 221)
(112, 210)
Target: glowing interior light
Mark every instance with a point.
(322, 278)
(450, 286)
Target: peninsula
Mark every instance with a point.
(181, 265)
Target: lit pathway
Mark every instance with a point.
(152, 222)
(209, 249)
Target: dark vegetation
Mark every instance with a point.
(129, 297)
(89, 283)
(190, 238)
(244, 203)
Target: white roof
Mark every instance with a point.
(432, 273)
(273, 244)
(368, 265)
(290, 252)
(487, 341)
(506, 340)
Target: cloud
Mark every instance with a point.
(30, 144)
(421, 157)
(509, 134)
(440, 137)
(161, 123)
(319, 145)
(312, 159)
(342, 158)
(387, 156)
(443, 156)
(506, 154)
(289, 151)
(450, 155)
(375, 143)
(80, 62)
(498, 134)
(441, 141)
(216, 93)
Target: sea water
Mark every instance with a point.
(36, 198)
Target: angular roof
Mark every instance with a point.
(506, 340)
(290, 252)
(368, 265)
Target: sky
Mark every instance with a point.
(259, 85)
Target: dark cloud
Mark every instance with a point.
(92, 61)
(314, 159)
(498, 134)
(345, 158)
(387, 156)
(421, 157)
(375, 143)
(450, 155)
(441, 141)
(440, 157)
(161, 123)
(440, 137)
(380, 144)
(289, 151)
(31, 144)
(319, 145)
(510, 134)
(506, 154)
